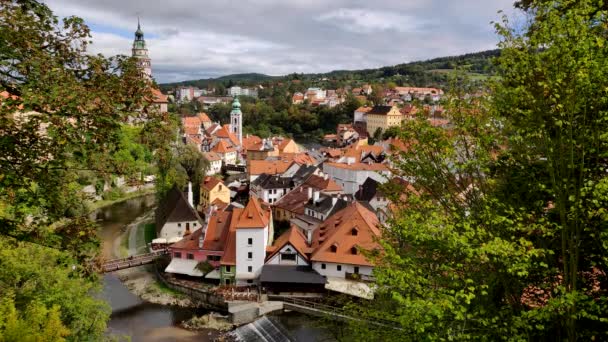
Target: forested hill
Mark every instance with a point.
(421, 73)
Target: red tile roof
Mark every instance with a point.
(292, 236)
(203, 117)
(225, 133)
(337, 231)
(322, 184)
(211, 182)
(295, 200)
(253, 216)
(223, 147)
(271, 167)
(158, 96)
(211, 156)
(360, 166)
(229, 257)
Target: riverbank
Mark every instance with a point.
(144, 190)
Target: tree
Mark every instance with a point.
(195, 165)
(377, 134)
(37, 323)
(502, 233)
(391, 132)
(553, 94)
(61, 113)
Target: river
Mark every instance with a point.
(143, 321)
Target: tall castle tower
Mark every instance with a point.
(236, 120)
(141, 52)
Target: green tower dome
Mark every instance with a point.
(236, 104)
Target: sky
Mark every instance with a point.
(194, 39)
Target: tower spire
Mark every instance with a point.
(140, 51)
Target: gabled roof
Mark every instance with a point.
(174, 207)
(203, 117)
(322, 183)
(253, 215)
(229, 257)
(225, 133)
(191, 121)
(158, 96)
(209, 183)
(283, 143)
(303, 173)
(337, 231)
(359, 166)
(223, 147)
(292, 236)
(295, 200)
(271, 167)
(211, 156)
(251, 141)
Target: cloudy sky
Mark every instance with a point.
(192, 39)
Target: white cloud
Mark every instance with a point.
(190, 39)
(361, 20)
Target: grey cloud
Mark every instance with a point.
(193, 39)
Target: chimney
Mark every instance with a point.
(201, 238)
(316, 196)
(309, 193)
(309, 237)
(190, 200)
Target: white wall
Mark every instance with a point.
(276, 259)
(331, 269)
(351, 179)
(177, 229)
(258, 248)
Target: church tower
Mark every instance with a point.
(236, 120)
(141, 52)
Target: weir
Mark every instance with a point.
(262, 329)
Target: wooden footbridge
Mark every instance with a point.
(132, 261)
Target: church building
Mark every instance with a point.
(140, 51)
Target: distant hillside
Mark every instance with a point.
(432, 72)
(240, 79)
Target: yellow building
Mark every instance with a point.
(211, 189)
(383, 117)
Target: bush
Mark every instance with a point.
(113, 194)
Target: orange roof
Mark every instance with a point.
(419, 90)
(359, 166)
(191, 121)
(320, 183)
(210, 182)
(217, 230)
(358, 151)
(337, 231)
(292, 236)
(271, 167)
(333, 152)
(253, 216)
(283, 143)
(222, 147)
(229, 257)
(203, 117)
(250, 141)
(158, 96)
(225, 133)
(192, 130)
(193, 139)
(363, 109)
(302, 158)
(211, 156)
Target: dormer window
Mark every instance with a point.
(334, 248)
(353, 250)
(354, 231)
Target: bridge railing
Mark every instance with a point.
(336, 311)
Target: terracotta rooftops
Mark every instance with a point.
(223, 147)
(253, 215)
(295, 200)
(363, 109)
(211, 156)
(210, 182)
(203, 117)
(271, 167)
(340, 238)
(229, 257)
(292, 236)
(158, 96)
(322, 183)
(359, 166)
